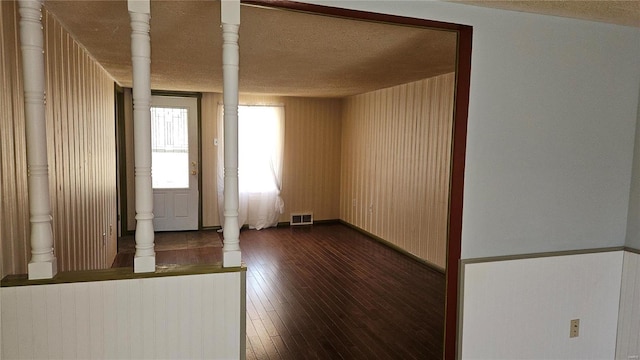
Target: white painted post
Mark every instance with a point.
(230, 18)
(139, 11)
(43, 264)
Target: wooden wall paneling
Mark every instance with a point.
(209, 161)
(61, 205)
(3, 114)
(7, 191)
(6, 141)
(311, 171)
(81, 166)
(396, 145)
(81, 147)
(54, 134)
(74, 160)
(15, 210)
(628, 339)
(153, 318)
(92, 145)
(96, 240)
(50, 113)
(67, 154)
(545, 293)
(422, 169)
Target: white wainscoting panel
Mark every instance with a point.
(521, 309)
(628, 342)
(174, 317)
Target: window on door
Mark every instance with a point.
(170, 147)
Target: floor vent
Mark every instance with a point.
(302, 219)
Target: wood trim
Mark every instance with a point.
(631, 250)
(353, 14)
(460, 116)
(465, 262)
(121, 273)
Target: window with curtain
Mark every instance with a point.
(260, 153)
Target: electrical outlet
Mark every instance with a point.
(370, 209)
(632, 357)
(353, 202)
(574, 328)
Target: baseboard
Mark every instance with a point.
(216, 227)
(395, 247)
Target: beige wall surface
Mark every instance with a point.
(311, 169)
(396, 164)
(209, 158)
(81, 152)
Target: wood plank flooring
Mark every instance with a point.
(329, 292)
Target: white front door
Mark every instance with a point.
(174, 169)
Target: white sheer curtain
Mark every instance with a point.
(260, 152)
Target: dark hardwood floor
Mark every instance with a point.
(330, 292)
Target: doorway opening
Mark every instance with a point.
(458, 140)
(174, 163)
(175, 118)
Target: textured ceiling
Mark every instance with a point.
(281, 52)
(609, 11)
(285, 52)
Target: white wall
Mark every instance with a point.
(628, 342)
(521, 309)
(192, 317)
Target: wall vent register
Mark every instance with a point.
(302, 219)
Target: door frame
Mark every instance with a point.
(458, 144)
(121, 150)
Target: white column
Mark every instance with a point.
(139, 11)
(230, 18)
(43, 264)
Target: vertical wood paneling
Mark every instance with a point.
(209, 187)
(311, 169)
(81, 148)
(124, 319)
(14, 227)
(628, 340)
(395, 164)
(544, 293)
